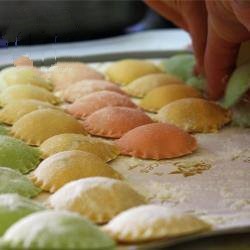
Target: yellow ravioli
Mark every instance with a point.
(23, 75)
(160, 96)
(65, 142)
(153, 222)
(19, 92)
(96, 198)
(125, 71)
(39, 125)
(63, 167)
(141, 86)
(16, 109)
(195, 115)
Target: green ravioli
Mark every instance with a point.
(181, 65)
(241, 115)
(3, 130)
(11, 181)
(14, 207)
(238, 85)
(197, 82)
(16, 154)
(56, 230)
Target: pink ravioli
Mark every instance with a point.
(92, 102)
(113, 122)
(64, 74)
(156, 141)
(85, 87)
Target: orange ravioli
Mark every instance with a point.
(92, 102)
(63, 167)
(113, 122)
(141, 86)
(64, 74)
(160, 96)
(126, 71)
(39, 125)
(195, 115)
(85, 87)
(156, 141)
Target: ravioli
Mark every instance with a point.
(141, 86)
(39, 125)
(13, 207)
(86, 87)
(156, 141)
(4, 130)
(23, 75)
(23, 61)
(12, 181)
(195, 115)
(160, 96)
(181, 65)
(153, 222)
(17, 155)
(92, 102)
(96, 198)
(113, 122)
(14, 110)
(66, 142)
(63, 167)
(18, 92)
(125, 71)
(64, 74)
(37, 231)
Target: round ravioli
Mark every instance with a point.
(156, 141)
(96, 198)
(92, 102)
(195, 115)
(64, 74)
(23, 61)
(67, 142)
(17, 155)
(161, 96)
(63, 167)
(13, 207)
(126, 71)
(12, 181)
(23, 75)
(14, 110)
(18, 92)
(141, 86)
(113, 122)
(39, 125)
(56, 230)
(86, 87)
(153, 222)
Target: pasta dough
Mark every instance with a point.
(152, 222)
(63, 167)
(44, 124)
(96, 198)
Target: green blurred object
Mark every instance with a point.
(181, 65)
(3, 130)
(241, 115)
(238, 85)
(197, 82)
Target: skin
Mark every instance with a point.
(217, 29)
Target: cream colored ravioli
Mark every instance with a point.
(66, 142)
(97, 198)
(152, 222)
(63, 167)
(39, 125)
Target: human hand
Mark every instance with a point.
(217, 29)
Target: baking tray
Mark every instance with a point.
(218, 190)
